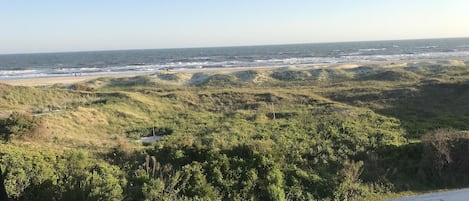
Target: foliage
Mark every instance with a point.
(317, 134)
(18, 124)
(44, 175)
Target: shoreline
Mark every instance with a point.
(47, 81)
(71, 79)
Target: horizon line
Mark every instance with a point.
(225, 46)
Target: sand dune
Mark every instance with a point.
(186, 74)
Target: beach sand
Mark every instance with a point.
(45, 81)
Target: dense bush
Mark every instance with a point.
(444, 160)
(237, 143)
(18, 124)
(42, 175)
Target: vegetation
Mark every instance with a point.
(365, 133)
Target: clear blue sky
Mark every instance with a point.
(67, 25)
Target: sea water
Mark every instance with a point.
(17, 66)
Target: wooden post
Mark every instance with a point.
(153, 128)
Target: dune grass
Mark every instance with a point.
(309, 121)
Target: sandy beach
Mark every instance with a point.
(45, 81)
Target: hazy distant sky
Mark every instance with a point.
(77, 25)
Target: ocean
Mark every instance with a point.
(18, 66)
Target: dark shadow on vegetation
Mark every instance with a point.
(3, 192)
(390, 75)
(439, 161)
(431, 106)
(131, 81)
(291, 75)
(43, 191)
(146, 132)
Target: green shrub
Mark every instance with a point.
(43, 175)
(18, 124)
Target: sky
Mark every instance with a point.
(28, 26)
